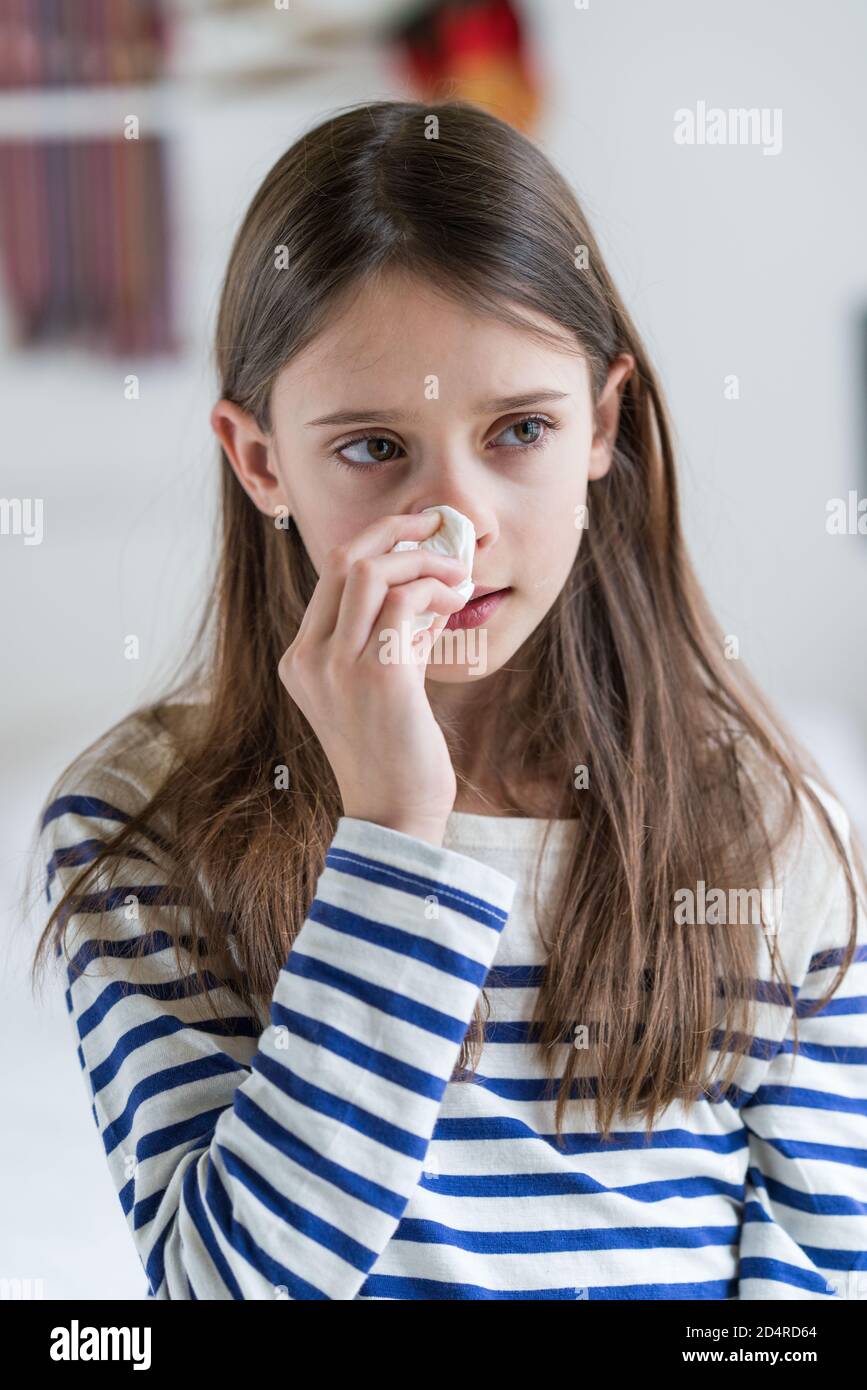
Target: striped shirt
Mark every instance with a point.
(327, 1152)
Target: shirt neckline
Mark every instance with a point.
(470, 827)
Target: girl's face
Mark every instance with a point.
(408, 400)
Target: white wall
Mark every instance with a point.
(731, 261)
(738, 262)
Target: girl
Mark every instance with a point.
(402, 980)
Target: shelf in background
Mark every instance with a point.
(37, 113)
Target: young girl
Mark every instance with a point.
(414, 980)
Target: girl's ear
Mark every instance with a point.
(608, 415)
(251, 455)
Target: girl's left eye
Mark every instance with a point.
(373, 444)
(540, 436)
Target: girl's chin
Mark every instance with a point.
(455, 675)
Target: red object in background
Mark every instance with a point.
(472, 50)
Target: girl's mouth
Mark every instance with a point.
(478, 610)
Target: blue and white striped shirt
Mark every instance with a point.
(326, 1153)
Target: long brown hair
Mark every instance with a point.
(689, 775)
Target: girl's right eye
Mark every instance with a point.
(380, 444)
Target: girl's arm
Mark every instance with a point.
(277, 1165)
(805, 1216)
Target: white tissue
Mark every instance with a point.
(456, 536)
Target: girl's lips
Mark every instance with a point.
(478, 610)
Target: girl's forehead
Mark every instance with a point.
(429, 342)
(400, 307)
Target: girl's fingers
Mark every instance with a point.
(320, 619)
(433, 632)
(405, 602)
(372, 581)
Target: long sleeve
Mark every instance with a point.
(276, 1162)
(805, 1215)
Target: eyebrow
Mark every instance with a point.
(395, 417)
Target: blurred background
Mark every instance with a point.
(133, 134)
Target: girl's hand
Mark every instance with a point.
(373, 717)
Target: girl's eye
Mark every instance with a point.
(375, 446)
(373, 451)
(540, 428)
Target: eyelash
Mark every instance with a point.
(375, 465)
